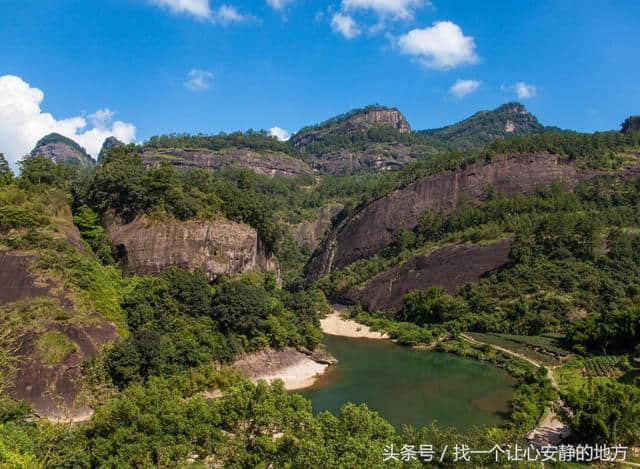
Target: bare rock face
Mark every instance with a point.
(51, 387)
(310, 233)
(268, 163)
(372, 228)
(391, 117)
(219, 247)
(449, 267)
(62, 150)
(337, 159)
(381, 157)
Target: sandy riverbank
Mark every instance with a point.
(334, 324)
(294, 368)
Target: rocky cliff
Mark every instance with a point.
(269, 163)
(371, 229)
(358, 120)
(449, 267)
(378, 157)
(49, 326)
(219, 247)
(310, 233)
(61, 149)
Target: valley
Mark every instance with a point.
(180, 293)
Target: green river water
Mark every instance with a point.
(413, 387)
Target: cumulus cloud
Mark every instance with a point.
(280, 133)
(278, 4)
(345, 25)
(461, 88)
(23, 123)
(441, 46)
(201, 10)
(399, 9)
(198, 80)
(524, 90)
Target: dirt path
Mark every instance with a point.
(550, 430)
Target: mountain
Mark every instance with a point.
(372, 138)
(356, 120)
(518, 166)
(61, 149)
(110, 142)
(511, 119)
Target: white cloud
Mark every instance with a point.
(198, 80)
(201, 10)
(441, 46)
(280, 133)
(278, 4)
(198, 8)
(345, 25)
(524, 90)
(228, 14)
(399, 9)
(22, 122)
(461, 88)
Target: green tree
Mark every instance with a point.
(604, 413)
(6, 175)
(241, 307)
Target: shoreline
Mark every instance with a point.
(334, 324)
(295, 369)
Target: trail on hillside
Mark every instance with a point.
(550, 430)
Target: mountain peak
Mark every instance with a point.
(109, 142)
(483, 127)
(62, 150)
(356, 120)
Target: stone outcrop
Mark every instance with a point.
(269, 163)
(218, 247)
(380, 157)
(62, 150)
(355, 121)
(450, 267)
(110, 142)
(310, 233)
(371, 229)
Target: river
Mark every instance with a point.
(413, 387)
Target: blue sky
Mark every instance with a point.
(158, 66)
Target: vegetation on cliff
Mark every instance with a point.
(254, 140)
(508, 120)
